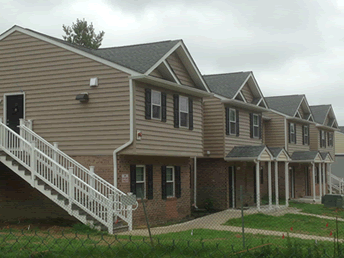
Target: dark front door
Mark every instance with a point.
(307, 176)
(232, 186)
(292, 182)
(14, 111)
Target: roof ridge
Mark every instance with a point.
(226, 73)
(320, 105)
(141, 44)
(292, 95)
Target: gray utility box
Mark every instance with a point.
(333, 200)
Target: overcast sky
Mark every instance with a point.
(292, 46)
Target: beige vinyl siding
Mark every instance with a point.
(339, 142)
(265, 155)
(161, 138)
(246, 91)
(214, 127)
(314, 137)
(244, 136)
(298, 146)
(51, 77)
(274, 130)
(156, 73)
(302, 114)
(180, 70)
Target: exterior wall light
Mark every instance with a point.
(82, 97)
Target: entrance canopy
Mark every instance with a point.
(326, 157)
(280, 154)
(250, 153)
(306, 156)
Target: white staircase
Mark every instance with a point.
(336, 184)
(76, 189)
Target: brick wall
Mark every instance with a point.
(159, 211)
(18, 200)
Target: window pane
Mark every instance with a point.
(139, 174)
(232, 115)
(169, 189)
(140, 190)
(156, 111)
(183, 119)
(292, 128)
(255, 120)
(156, 97)
(169, 174)
(255, 131)
(233, 128)
(183, 104)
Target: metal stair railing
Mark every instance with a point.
(97, 198)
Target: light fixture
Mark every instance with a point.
(82, 97)
(94, 82)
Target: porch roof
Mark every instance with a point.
(326, 156)
(249, 153)
(280, 154)
(306, 156)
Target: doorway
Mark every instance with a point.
(232, 186)
(14, 110)
(292, 182)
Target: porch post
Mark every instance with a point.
(324, 175)
(257, 185)
(276, 182)
(313, 172)
(286, 171)
(320, 179)
(270, 185)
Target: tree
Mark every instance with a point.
(82, 34)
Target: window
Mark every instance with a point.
(292, 133)
(232, 121)
(183, 111)
(305, 135)
(170, 181)
(140, 181)
(323, 139)
(330, 139)
(156, 104)
(255, 126)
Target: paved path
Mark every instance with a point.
(215, 221)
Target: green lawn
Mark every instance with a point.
(318, 209)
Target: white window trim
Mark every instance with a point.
(187, 107)
(156, 105)
(173, 181)
(330, 142)
(144, 180)
(257, 125)
(292, 132)
(305, 134)
(230, 128)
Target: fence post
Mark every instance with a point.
(242, 217)
(1, 133)
(33, 163)
(92, 184)
(110, 214)
(21, 131)
(71, 189)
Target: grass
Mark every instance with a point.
(294, 223)
(203, 243)
(318, 209)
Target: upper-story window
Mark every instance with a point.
(322, 139)
(330, 139)
(232, 121)
(305, 131)
(292, 132)
(156, 104)
(183, 111)
(255, 126)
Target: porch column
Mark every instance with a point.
(286, 171)
(329, 177)
(276, 182)
(257, 185)
(270, 185)
(320, 179)
(313, 172)
(324, 177)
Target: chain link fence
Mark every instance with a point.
(275, 230)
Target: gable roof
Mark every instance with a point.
(248, 152)
(226, 84)
(133, 59)
(276, 151)
(287, 104)
(305, 155)
(320, 112)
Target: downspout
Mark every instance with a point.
(131, 139)
(195, 182)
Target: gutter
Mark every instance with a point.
(131, 139)
(244, 105)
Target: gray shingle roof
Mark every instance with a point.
(319, 113)
(285, 104)
(227, 84)
(245, 151)
(323, 154)
(304, 155)
(275, 151)
(139, 57)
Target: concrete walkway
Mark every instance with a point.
(215, 221)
